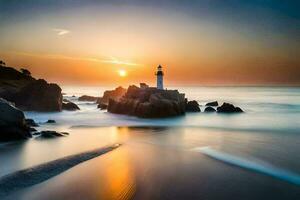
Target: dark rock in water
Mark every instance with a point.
(66, 100)
(31, 122)
(87, 98)
(50, 121)
(12, 122)
(27, 93)
(149, 103)
(31, 129)
(209, 109)
(73, 96)
(39, 96)
(192, 106)
(115, 94)
(228, 108)
(51, 134)
(70, 106)
(102, 106)
(213, 103)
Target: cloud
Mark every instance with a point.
(112, 60)
(61, 32)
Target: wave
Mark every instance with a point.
(37, 174)
(257, 166)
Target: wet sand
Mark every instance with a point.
(160, 165)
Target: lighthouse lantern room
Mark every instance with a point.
(159, 74)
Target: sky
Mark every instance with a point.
(114, 42)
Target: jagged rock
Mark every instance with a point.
(50, 121)
(12, 122)
(192, 106)
(51, 134)
(39, 96)
(213, 103)
(87, 98)
(102, 106)
(149, 103)
(229, 108)
(115, 94)
(31, 122)
(70, 106)
(209, 109)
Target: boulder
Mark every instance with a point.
(228, 108)
(213, 103)
(70, 106)
(51, 134)
(50, 121)
(115, 94)
(209, 109)
(87, 98)
(102, 106)
(148, 103)
(192, 106)
(12, 122)
(31, 123)
(39, 96)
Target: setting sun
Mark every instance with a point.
(122, 73)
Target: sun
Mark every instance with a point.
(122, 73)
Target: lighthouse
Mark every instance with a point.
(160, 81)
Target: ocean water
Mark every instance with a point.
(266, 109)
(252, 155)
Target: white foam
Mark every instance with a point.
(257, 166)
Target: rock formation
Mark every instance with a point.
(209, 109)
(149, 103)
(192, 106)
(87, 98)
(28, 93)
(229, 108)
(12, 122)
(115, 94)
(213, 103)
(70, 106)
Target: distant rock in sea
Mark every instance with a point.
(229, 108)
(213, 103)
(149, 103)
(192, 106)
(51, 134)
(209, 109)
(50, 121)
(70, 106)
(12, 122)
(87, 98)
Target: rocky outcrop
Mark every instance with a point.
(12, 122)
(39, 96)
(102, 106)
(70, 106)
(31, 122)
(87, 98)
(51, 121)
(28, 93)
(149, 103)
(51, 134)
(209, 109)
(229, 108)
(192, 106)
(115, 94)
(213, 103)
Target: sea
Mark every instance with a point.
(250, 155)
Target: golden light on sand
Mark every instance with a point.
(122, 73)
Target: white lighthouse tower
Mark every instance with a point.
(160, 81)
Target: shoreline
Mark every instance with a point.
(31, 176)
